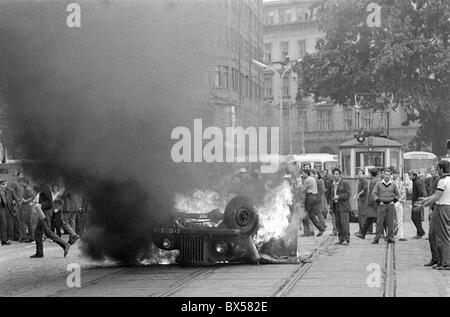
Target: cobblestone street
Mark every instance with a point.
(335, 271)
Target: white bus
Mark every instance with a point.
(419, 161)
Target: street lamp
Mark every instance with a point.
(280, 78)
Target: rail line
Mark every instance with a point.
(390, 285)
(285, 288)
(201, 272)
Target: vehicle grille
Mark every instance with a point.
(192, 248)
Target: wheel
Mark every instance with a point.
(241, 213)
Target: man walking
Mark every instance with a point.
(418, 192)
(385, 194)
(44, 207)
(341, 207)
(72, 204)
(439, 234)
(312, 202)
(361, 197)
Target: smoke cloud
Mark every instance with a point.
(98, 104)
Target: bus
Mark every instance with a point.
(420, 161)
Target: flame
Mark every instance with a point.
(274, 214)
(201, 201)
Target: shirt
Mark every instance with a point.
(310, 185)
(444, 186)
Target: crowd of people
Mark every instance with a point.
(381, 203)
(31, 210)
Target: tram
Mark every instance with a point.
(372, 152)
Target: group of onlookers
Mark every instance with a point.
(27, 212)
(381, 202)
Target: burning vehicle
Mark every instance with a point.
(215, 237)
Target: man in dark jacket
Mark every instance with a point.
(418, 192)
(3, 210)
(371, 211)
(341, 207)
(43, 225)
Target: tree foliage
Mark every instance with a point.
(408, 55)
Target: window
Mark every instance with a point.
(302, 120)
(267, 52)
(269, 18)
(226, 77)
(285, 15)
(217, 79)
(286, 84)
(348, 119)
(301, 48)
(324, 121)
(284, 48)
(267, 87)
(367, 119)
(300, 14)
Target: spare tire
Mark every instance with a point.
(241, 213)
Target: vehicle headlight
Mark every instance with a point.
(166, 243)
(221, 248)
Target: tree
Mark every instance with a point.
(407, 56)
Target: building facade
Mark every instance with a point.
(291, 30)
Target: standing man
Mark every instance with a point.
(371, 211)
(418, 192)
(361, 197)
(385, 194)
(312, 202)
(17, 191)
(3, 211)
(341, 207)
(440, 220)
(44, 207)
(400, 205)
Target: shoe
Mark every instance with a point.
(75, 239)
(359, 235)
(66, 250)
(339, 242)
(431, 263)
(6, 243)
(402, 239)
(437, 265)
(443, 268)
(374, 242)
(34, 256)
(320, 233)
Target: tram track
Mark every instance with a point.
(390, 285)
(288, 284)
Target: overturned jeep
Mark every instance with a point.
(213, 237)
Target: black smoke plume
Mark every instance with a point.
(98, 103)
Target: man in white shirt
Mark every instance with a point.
(439, 236)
